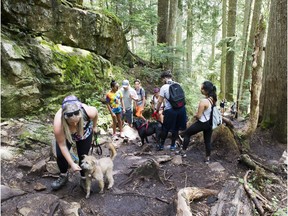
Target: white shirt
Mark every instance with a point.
(164, 92)
(127, 100)
(206, 114)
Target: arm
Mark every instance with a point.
(61, 141)
(160, 101)
(122, 104)
(201, 107)
(92, 112)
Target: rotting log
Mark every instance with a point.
(187, 195)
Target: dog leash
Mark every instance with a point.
(96, 144)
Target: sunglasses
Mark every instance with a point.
(70, 114)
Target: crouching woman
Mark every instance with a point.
(74, 124)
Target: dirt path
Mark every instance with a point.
(140, 196)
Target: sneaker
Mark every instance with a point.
(60, 182)
(122, 135)
(173, 147)
(207, 160)
(114, 137)
(159, 147)
(182, 153)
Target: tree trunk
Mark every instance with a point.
(256, 77)
(223, 55)
(231, 26)
(274, 94)
(245, 94)
(163, 6)
(189, 37)
(179, 54)
(171, 36)
(246, 24)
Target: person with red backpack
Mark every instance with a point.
(174, 110)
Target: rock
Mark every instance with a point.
(6, 154)
(177, 160)
(216, 166)
(131, 133)
(39, 187)
(7, 192)
(25, 163)
(39, 166)
(70, 209)
(52, 167)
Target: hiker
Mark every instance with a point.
(222, 105)
(115, 105)
(74, 125)
(140, 104)
(202, 119)
(159, 116)
(174, 119)
(129, 94)
(233, 110)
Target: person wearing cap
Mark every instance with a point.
(115, 105)
(129, 94)
(74, 125)
(174, 119)
(140, 103)
(159, 116)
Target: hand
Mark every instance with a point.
(75, 167)
(155, 115)
(124, 111)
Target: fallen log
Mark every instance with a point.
(187, 195)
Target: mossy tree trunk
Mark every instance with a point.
(274, 93)
(231, 26)
(256, 77)
(245, 93)
(224, 46)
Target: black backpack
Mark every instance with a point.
(176, 96)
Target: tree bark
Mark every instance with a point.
(223, 55)
(163, 6)
(245, 35)
(189, 37)
(245, 94)
(231, 26)
(274, 93)
(256, 77)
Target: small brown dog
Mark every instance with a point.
(98, 169)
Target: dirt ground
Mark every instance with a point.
(147, 195)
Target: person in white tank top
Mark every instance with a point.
(202, 119)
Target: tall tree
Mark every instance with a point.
(189, 40)
(224, 46)
(163, 9)
(274, 93)
(231, 26)
(179, 39)
(171, 32)
(245, 94)
(256, 84)
(244, 43)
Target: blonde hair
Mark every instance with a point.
(70, 107)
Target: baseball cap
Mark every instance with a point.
(155, 90)
(125, 83)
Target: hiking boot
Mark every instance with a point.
(60, 182)
(83, 184)
(159, 147)
(173, 147)
(182, 153)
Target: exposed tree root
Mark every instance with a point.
(187, 195)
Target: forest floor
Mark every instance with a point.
(132, 195)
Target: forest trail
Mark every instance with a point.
(25, 180)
